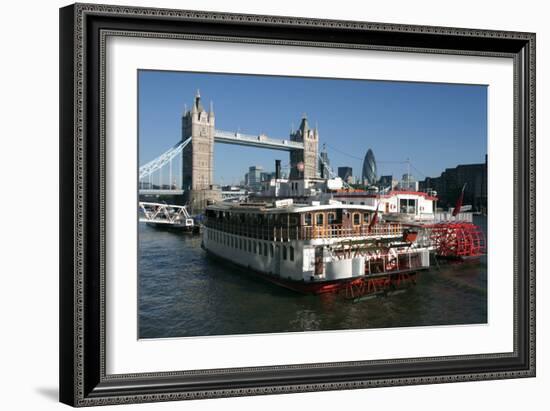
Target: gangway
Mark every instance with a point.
(167, 215)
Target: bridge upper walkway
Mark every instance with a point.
(263, 141)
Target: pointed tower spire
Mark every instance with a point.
(194, 106)
(197, 106)
(304, 126)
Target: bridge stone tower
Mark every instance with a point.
(198, 156)
(309, 156)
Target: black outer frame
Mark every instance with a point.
(83, 381)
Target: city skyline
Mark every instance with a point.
(398, 120)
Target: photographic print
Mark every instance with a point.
(273, 204)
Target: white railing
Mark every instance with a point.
(164, 214)
(448, 216)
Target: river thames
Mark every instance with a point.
(184, 293)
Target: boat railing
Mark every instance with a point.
(339, 231)
(306, 233)
(401, 261)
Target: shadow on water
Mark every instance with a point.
(182, 293)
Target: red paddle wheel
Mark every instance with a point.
(457, 239)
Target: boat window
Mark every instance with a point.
(271, 250)
(356, 218)
(366, 218)
(284, 252)
(407, 205)
(331, 218)
(291, 253)
(307, 219)
(320, 218)
(249, 246)
(265, 249)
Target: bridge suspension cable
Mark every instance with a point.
(156, 164)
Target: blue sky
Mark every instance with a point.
(436, 126)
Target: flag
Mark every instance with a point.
(374, 218)
(459, 201)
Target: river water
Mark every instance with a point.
(184, 293)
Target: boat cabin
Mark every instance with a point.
(296, 223)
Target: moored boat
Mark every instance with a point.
(313, 248)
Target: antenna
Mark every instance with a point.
(408, 173)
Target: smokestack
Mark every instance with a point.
(277, 169)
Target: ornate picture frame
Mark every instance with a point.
(84, 29)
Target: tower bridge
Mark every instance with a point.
(195, 152)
